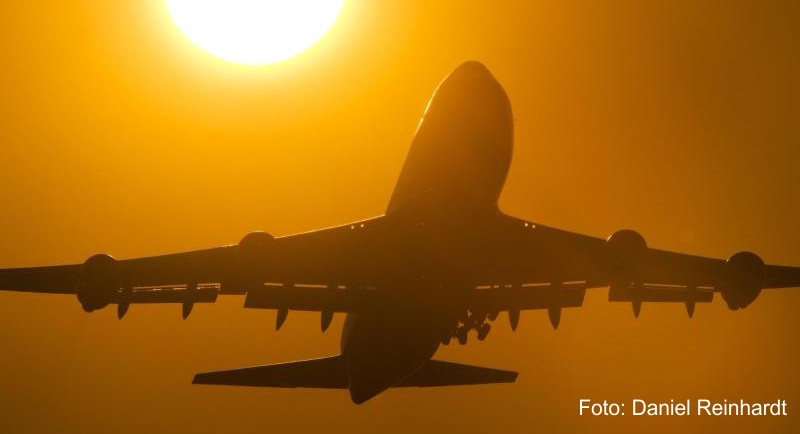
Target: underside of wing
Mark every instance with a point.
(60, 279)
(776, 276)
(322, 258)
(634, 272)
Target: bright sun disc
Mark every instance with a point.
(254, 32)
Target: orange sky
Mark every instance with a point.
(675, 118)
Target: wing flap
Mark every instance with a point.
(313, 298)
(215, 265)
(670, 268)
(528, 297)
(654, 293)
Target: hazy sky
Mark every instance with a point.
(679, 119)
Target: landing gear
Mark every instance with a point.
(462, 336)
(483, 331)
(467, 321)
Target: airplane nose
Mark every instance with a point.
(471, 79)
(471, 68)
(472, 65)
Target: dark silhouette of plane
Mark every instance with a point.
(442, 261)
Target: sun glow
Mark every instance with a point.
(254, 32)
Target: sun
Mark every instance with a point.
(254, 32)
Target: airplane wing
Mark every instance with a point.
(528, 266)
(558, 264)
(59, 279)
(321, 259)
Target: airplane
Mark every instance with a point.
(441, 262)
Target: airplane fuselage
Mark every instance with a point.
(468, 124)
(383, 348)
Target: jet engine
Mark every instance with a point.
(626, 248)
(98, 282)
(743, 280)
(253, 250)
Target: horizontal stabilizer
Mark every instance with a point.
(436, 373)
(324, 373)
(330, 373)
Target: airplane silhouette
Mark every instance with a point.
(442, 261)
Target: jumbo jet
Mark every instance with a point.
(442, 261)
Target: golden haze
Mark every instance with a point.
(678, 119)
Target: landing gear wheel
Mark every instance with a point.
(462, 335)
(483, 331)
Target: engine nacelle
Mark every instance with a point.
(98, 282)
(625, 250)
(253, 251)
(743, 280)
